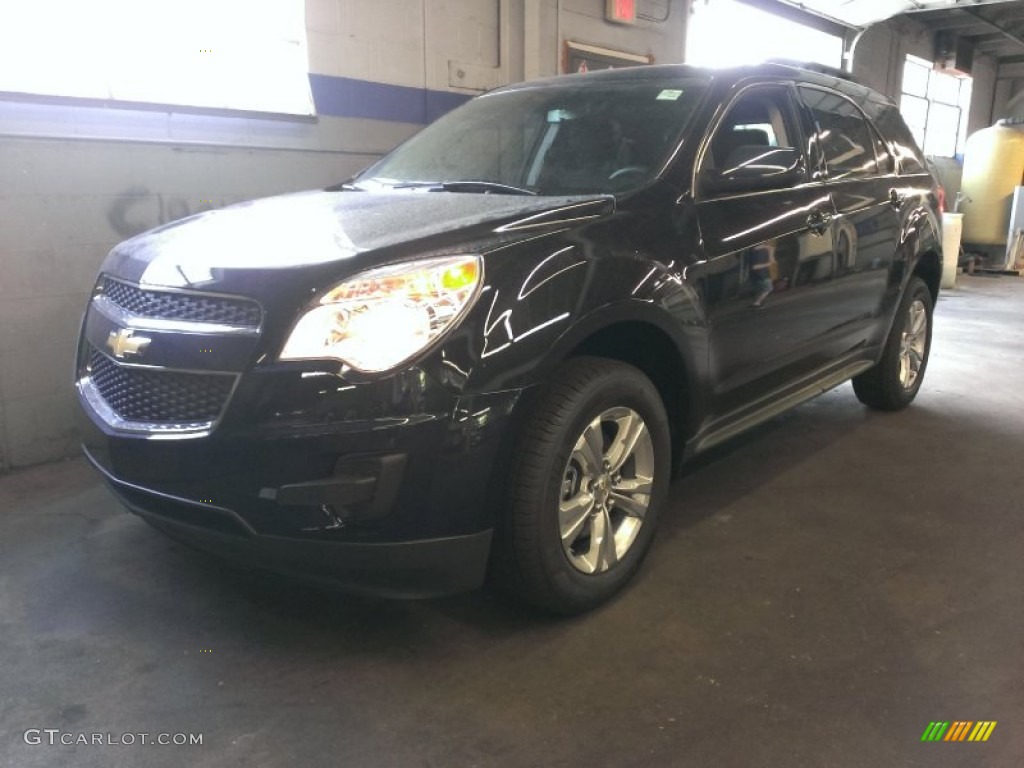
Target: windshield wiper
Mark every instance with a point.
(485, 187)
(458, 185)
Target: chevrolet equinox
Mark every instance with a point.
(488, 353)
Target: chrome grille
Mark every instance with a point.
(157, 397)
(185, 307)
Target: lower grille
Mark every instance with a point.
(155, 397)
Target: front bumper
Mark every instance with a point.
(399, 569)
(385, 505)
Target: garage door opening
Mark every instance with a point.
(726, 33)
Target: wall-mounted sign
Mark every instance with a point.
(580, 58)
(620, 11)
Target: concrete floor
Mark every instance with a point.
(820, 591)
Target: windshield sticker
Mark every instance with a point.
(669, 95)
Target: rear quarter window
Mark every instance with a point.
(846, 141)
(894, 130)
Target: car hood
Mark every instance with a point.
(314, 232)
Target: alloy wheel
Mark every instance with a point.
(606, 490)
(912, 343)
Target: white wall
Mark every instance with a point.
(1009, 99)
(583, 21)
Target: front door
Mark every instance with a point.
(769, 254)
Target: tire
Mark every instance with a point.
(893, 383)
(550, 550)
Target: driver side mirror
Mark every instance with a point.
(751, 168)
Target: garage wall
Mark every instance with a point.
(1007, 89)
(659, 34)
(76, 178)
(1009, 98)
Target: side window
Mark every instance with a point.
(846, 141)
(891, 124)
(758, 122)
(886, 162)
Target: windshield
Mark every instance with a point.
(573, 139)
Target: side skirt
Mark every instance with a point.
(777, 402)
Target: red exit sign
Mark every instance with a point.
(621, 11)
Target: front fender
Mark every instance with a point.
(538, 307)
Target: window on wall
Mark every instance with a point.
(935, 106)
(226, 54)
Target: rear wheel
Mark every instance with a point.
(590, 473)
(893, 383)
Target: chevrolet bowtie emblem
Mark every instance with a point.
(124, 343)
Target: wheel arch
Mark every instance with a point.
(647, 348)
(648, 339)
(921, 242)
(928, 267)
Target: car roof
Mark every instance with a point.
(815, 74)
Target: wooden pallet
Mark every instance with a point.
(976, 265)
(976, 262)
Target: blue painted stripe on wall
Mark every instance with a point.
(348, 97)
(439, 102)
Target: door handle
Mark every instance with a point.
(818, 222)
(896, 198)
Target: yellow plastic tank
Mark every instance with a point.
(993, 166)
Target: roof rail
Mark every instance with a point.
(813, 66)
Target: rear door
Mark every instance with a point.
(768, 254)
(867, 201)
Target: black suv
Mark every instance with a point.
(489, 352)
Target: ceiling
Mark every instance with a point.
(862, 13)
(995, 27)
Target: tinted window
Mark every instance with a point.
(758, 118)
(844, 137)
(757, 133)
(886, 163)
(579, 138)
(890, 122)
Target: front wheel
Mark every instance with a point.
(590, 472)
(893, 383)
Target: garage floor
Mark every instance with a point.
(821, 591)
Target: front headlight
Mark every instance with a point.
(379, 319)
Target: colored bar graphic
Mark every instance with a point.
(958, 730)
(982, 731)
